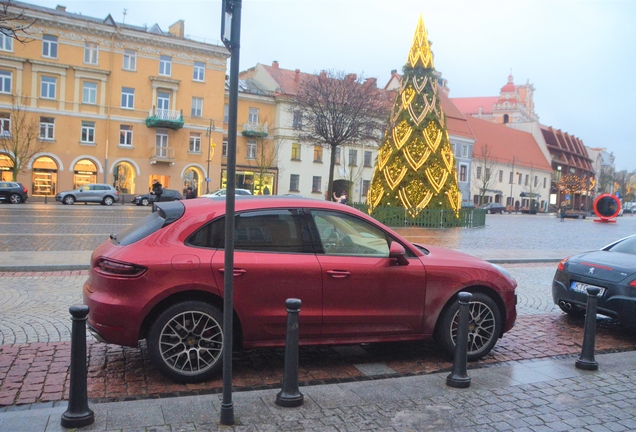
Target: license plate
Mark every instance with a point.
(582, 288)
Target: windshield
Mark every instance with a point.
(626, 246)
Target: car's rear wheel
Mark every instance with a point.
(186, 342)
(15, 199)
(144, 201)
(69, 199)
(108, 201)
(484, 326)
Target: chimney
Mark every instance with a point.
(351, 77)
(323, 74)
(373, 82)
(60, 8)
(297, 76)
(393, 71)
(275, 64)
(177, 29)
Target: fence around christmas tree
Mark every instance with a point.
(427, 218)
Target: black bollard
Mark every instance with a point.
(459, 378)
(290, 395)
(78, 414)
(586, 361)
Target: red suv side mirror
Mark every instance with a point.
(397, 251)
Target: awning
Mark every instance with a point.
(529, 195)
(496, 192)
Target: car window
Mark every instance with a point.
(85, 188)
(342, 234)
(4, 185)
(626, 246)
(258, 231)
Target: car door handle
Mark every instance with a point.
(338, 274)
(236, 272)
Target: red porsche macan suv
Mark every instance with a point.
(162, 280)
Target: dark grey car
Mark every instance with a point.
(612, 269)
(13, 192)
(98, 193)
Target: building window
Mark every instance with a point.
(526, 182)
(197, 107)
(163, 101)
(49, 46)
(6, 42)
(545, 179)
(47, 128)
(317, 153)
(315, 184)
(353, 157)
(47, 89)
(161, 143)
(297, 120)
(500, 176)
(165, 65)
(130, 60)
(463, 172)
(294, 181)
(88, 132)
(337, 158)
(536, 181)
(127, 97)
(465, 151)
(89, 93)
(295, 152)
(487, 173)
(6, 79)
(198, 73)
(453, 148)
(224, 149)
(520, 178)
(251, 149)
(367, 158)
(253, 115)
(195, 143)
(478, 173)
(366, 184)
(125, 135)
(90, 53)
(511, 180)
(5, 124)
(226, 114)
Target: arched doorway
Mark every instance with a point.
(192, 178)
(84, 172)
(6, 162)
(44, 176)
(124, 177)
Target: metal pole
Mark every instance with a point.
(207, 180)
(459, 378)
(227, 406)
(586, 361)
(290, 395)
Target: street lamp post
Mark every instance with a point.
(210, 154)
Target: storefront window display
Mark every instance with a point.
(124, 177)
(252, 181)
(84, 172)
(5, 168)
(44, 177)
(192, 178)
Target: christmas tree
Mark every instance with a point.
(415, 168)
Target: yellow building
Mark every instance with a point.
(117, 103)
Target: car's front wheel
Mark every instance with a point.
(15, 199)
(144, 201)
(186, 342)
(108, 201)
(484, 326)
(69, 199)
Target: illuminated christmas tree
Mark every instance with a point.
(415, 168)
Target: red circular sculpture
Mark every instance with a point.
(606, 207)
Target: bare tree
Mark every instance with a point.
(484, 171)
(531, 191)
(336, 109)
(605, 180)
(14, 23)
(266, 156)
(20, 139)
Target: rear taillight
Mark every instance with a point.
(561, 265)
(25, 189)
(632, 283)
(115, 268)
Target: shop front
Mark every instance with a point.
(44, 177)
(5, 168)
(84, 172)
(254, 182)
(124, 178)
(193, 178)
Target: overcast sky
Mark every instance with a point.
(579, 55)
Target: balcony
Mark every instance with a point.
(254, 130)
(164, 118)
(162, 155)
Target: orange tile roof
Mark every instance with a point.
(456, 122)
(505, 143)
(470, 105)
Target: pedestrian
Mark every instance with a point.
(562, 214)
(190, 193)
(342, 199)
(157, 190)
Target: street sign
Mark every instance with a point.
(227, 9)
(207, 180)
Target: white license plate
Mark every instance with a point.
(582, 288)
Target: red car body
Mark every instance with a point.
(346, 298)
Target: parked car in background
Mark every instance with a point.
(222, 192)
(493, 208)
(162, 280)
(98, 193)
(612, 269)
(13, 192)
(147, 199)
